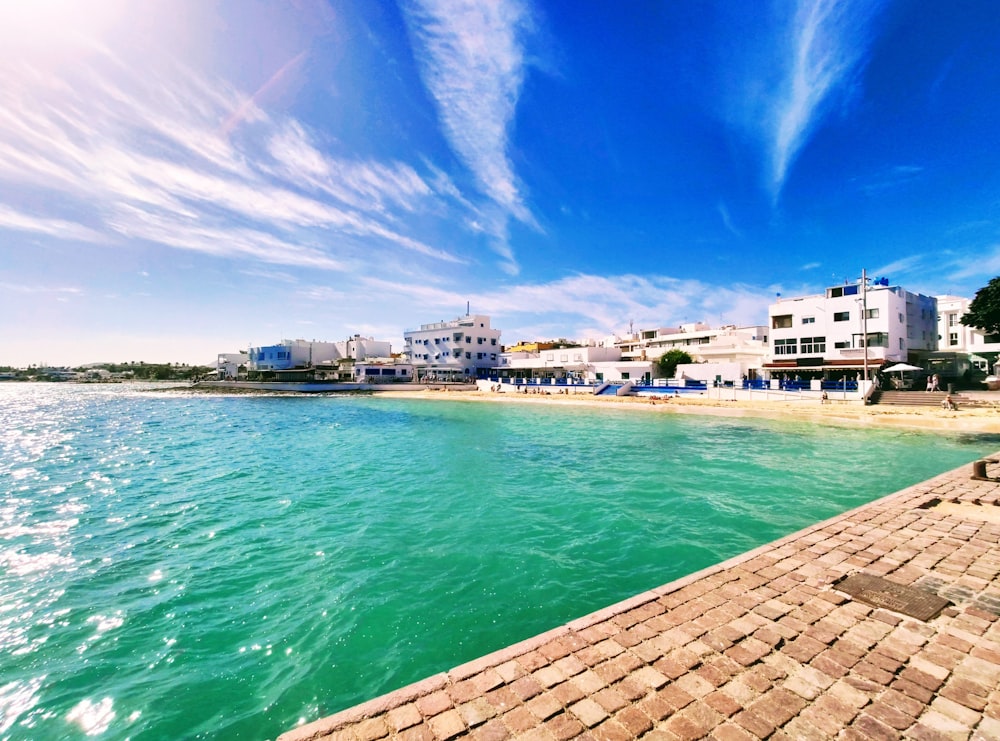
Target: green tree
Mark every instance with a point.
(666, 366)
(984, 310)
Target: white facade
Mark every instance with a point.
(744, 347)
(228, 364)
(585, 365)
(953, 336)
(466, 347)
(292, 354)
(826, 332)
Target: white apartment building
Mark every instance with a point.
(302, 354)
(585, 364)
(463, 348)
(228, 364)
(737, 351)
(833, 334)
(955, 337)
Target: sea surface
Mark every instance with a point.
(176, 565)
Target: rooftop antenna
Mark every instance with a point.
(467, 308)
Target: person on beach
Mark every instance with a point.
(949, 404)
(934, 382)
(930, 384)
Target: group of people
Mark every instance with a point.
(932, 382)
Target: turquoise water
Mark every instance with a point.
(186, 566)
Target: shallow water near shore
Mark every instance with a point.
(198, 566)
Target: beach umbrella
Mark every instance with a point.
(901, 368)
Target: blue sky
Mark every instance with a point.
(181, 178)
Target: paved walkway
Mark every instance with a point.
(763, 646)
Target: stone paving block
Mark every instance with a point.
(567, 693)
(871, 729)
(890, 715)
(494, 730)
(731, 732)
(694, 722)
(544, 706)
(519, 719)
(941, 724)
(403, 717)
(634, 720)
(476, 712)
(610, 699)
(526, 688)
(588, 682)
(564, 727)
(549, 676)
(421, 732)
(447, 725)
(371, 729)
(589, 712)
(610, 730)
(953, 710)
(434, 703)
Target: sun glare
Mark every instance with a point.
(46, 24)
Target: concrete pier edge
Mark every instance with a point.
(905, 500)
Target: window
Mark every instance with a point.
(871, 313)
(785, 347)
(468, 356)
(624, 376)
(902, 345)
(953, 338)
(841, 345)
(781, 322)
(493, 341)
(813, 345)
(468, 340)
(902, 318)
(842, 316)
(808, 320)
(952, 320)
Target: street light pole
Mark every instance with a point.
(864, 317)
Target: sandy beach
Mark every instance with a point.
(983, 415)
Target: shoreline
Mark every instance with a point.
(973, 419)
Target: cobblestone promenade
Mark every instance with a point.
(768, 645)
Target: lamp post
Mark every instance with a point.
(864, 318)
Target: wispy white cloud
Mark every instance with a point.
(903, 266)
(40, 289)
(594, 306)
(473, 62)
(16, 220)
(823, 44)
(727, 221)
(890, 178)
(811, 266)
(146, 157)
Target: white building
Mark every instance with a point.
(825, 334)
(228, 364)
(733, 352)
(463, 348)
(304, 354)
(588, 364)
(955, 337)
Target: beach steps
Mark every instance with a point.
(918, 398)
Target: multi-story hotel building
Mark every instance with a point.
(848, 328)
(463, 348)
